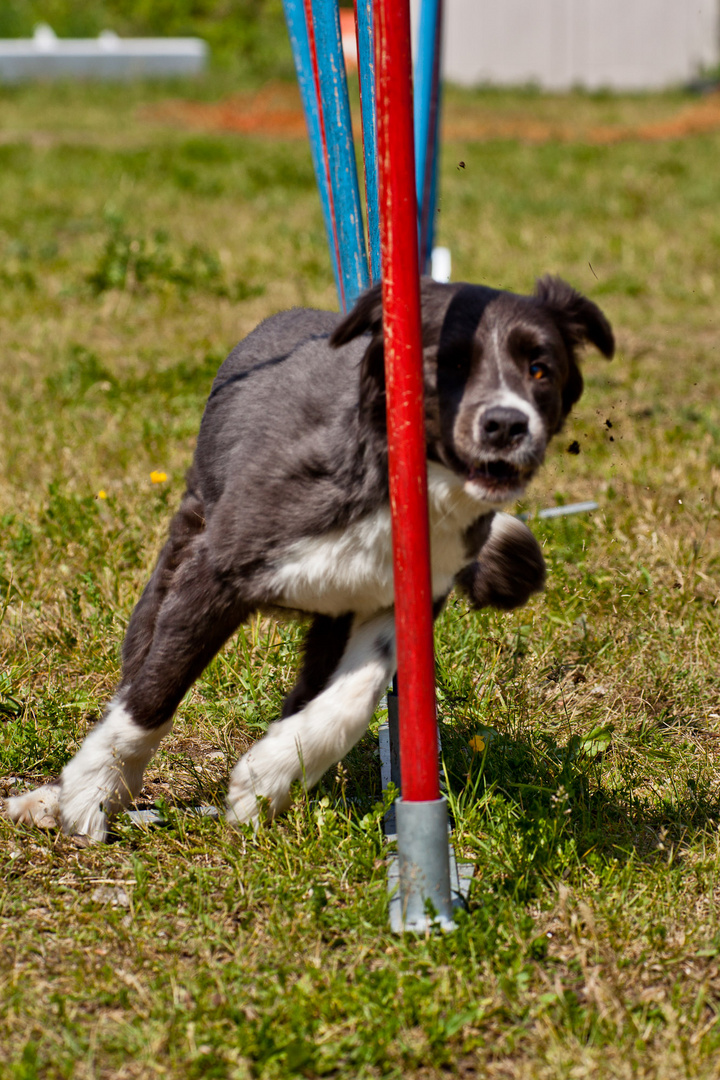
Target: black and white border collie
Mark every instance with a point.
(287, 509)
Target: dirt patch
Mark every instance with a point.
(698, 118)
(276, 112)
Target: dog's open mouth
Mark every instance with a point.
(499, 477)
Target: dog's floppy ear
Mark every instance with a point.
(580, 322)
(366, 317)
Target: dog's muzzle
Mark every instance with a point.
(506, 456)
(503, 428)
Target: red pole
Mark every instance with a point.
(405, 409)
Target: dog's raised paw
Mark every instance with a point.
(40, 807)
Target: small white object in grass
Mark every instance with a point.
(46, 56)
(153, 817)
(107, 894)
(562, 511)
(441, 264)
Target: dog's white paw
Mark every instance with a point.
(48, 808)
(82, 813)
(40, 807)
(258, 787)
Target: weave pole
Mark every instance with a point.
(427, 123)
(366, 76)
(422, 821)
(396, 213)
(295, 18)
(427, 103)
(314, 28)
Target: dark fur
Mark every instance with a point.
(505, 576)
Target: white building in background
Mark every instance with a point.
(558, 44)
(46, 56)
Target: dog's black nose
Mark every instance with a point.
(501, 427)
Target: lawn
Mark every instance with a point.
(138, 242)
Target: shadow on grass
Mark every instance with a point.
(535, 810)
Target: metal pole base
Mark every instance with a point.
(424, 900)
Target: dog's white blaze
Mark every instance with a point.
(351, 569)
(496, 356)
(305, 745)
(106, 773)
(508, 398)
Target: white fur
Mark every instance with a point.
(106, 773)
(352, 569)
(39, 807)
(342, 570)
(304, 746)
(505, 525)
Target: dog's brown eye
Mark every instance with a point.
(538, 371)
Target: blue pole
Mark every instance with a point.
(339, 150)
(300, 42)
(366, 69)
(427, 123)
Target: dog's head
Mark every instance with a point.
(501, 374)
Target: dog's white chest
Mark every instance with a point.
(352, 569)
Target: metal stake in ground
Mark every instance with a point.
(421, 813)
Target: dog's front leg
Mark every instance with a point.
(303, 746)
(508, 569)
(39, 807)
(104, 776)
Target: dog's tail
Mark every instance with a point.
(188, 522)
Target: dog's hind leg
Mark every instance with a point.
(186, 525)
(197, 615)
(303, 746)
(325, 644)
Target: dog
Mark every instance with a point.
(287, 510)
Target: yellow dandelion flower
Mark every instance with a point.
(158, 477)
(102, 494)
(477, 743)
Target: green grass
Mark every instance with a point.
(133, 255)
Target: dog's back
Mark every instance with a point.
(281, 452)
